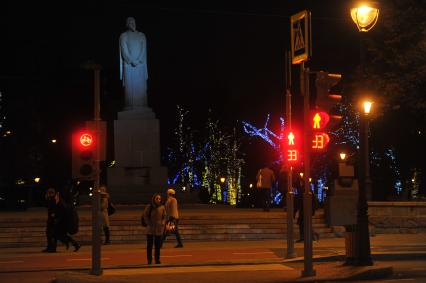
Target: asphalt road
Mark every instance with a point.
(252, 261)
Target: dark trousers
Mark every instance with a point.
(176, 232)
(150, 241)
(266, 198)
(50, 237)
(301, 223)
(65, 239)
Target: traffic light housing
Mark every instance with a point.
(324, 116)
(326, 99)
(83, 155)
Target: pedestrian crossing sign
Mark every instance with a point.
(300, 26)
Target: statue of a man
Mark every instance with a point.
(133, 66)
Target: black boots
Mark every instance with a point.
(107, 235)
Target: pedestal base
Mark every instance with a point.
(137, 174)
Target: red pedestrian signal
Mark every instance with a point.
(290, 145)
(83, 155)
(320, 141)
(319, 120)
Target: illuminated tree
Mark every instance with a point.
(201, 163)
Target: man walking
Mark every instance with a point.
(173, 216)
(264, 180)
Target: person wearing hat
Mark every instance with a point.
(173, 215)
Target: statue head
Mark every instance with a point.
(131, 23)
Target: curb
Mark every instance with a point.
(354, 274)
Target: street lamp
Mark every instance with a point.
(365, 15)
(342, 156)
(363, 252)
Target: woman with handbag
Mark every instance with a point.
(154, 216)
(172, 225)
(105, 207)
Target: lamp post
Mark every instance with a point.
(363, 252)
(365, 16)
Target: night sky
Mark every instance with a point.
(225, 56)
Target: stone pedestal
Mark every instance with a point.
(137, 174)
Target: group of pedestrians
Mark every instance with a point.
(62, 219)
(161, 218)
(265, 180)
(59, 222)
(158, 217)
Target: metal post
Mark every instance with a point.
(290, 194)
(363, 237)
(307, 196)
(96, 216)
(362, 53)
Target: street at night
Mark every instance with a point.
(220, 141)
(243, 261)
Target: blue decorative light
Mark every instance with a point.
(264, 133)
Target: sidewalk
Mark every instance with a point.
(328, 260)
(326, 265)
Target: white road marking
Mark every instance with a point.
(174, 255)
(255, 253)
(85, 259)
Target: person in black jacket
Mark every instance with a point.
(50, 224)
(298, 206)
(57, 223)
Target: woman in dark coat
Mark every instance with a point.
(155, 218)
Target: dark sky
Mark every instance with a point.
(223, 55)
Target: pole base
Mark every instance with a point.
(97, 272)
(308, 273)
(291, 255)
(364, 262)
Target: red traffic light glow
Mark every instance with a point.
(290, 145)
(319, 120)
(320, 141)
(86, 139)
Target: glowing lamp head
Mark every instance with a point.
(86, 139)
(222, 180)
(342, 156)
(367, 107)
(365, 16)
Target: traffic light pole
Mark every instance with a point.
(290, 194)
(96, 217)
(307, 195)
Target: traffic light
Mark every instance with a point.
(324, 116)
(326, 99)
(83, 155)
(290, 144)
(319, 121)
